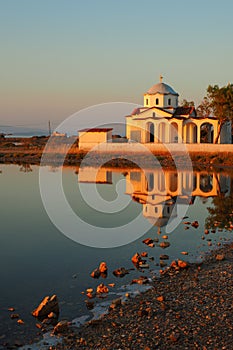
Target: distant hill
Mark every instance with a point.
(22, 131)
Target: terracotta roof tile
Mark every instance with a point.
(96, 130)
(184, 111)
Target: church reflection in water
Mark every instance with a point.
(159, 190)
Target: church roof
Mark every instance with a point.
(162, 88)
(184, 111)
(138, 110)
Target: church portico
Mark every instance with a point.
(193, 130)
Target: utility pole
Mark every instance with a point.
(49, 128)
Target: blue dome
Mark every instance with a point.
(163, 89)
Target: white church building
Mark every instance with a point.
(162, 120)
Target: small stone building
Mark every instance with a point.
(89, 138)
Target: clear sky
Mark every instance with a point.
(58, 56)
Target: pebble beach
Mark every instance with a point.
(188, 308)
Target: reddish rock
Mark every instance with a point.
(52, 315)
(220, 257)
(20, 321)
(12, 309)
(144, 254)
(136, 259)
(48, 305)
(184, 253)
(61, 327)
(140, 280)
(182, 264)
(90, 295)
(39, 326)
(120, 272)
(101, 288)
(111, 285)
(174, 264)
(142, 265)
(195, 224)
(103, 267)
(96, 273)
(148, 241)
(164, 244)
(160, 298)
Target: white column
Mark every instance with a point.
(184, 130)
(198, 134)
(180, 133)
(215, 132)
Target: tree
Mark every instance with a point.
(219, 103)
(186, 103)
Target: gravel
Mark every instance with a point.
(186, 309)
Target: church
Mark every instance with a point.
(162, 120)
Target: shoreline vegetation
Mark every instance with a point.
(30, 150)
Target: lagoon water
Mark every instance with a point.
(37, 259)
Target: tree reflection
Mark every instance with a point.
(221, 214)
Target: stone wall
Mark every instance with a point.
(163, 148)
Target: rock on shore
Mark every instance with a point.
(48, 305)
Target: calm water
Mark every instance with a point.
(37, 259)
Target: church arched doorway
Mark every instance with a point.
(207, 133)
(174, 133)
(150, 132)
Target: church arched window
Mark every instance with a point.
(169, 102)
(157, 101)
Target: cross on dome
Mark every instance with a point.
(161, 78)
